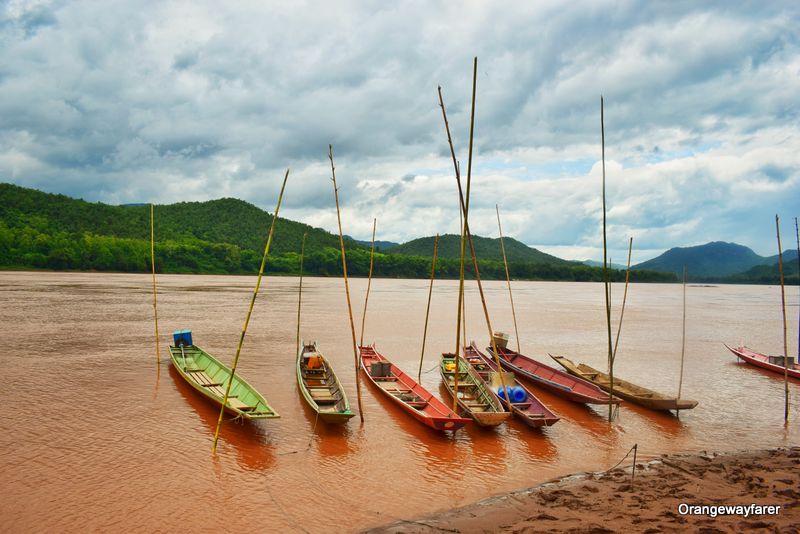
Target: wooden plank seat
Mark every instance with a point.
(417, 403)
(384, 378)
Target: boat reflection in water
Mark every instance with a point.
(248, 438)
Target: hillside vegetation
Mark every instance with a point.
(47, 231)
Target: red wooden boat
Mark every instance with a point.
(531, 411)
(407, 393)
(554, 380)
(770, 363)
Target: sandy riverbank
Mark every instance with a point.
(608, 502)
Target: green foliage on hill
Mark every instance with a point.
(485, 248)
(42, 230)
(716, 259)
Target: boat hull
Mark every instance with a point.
(762, 360)
(473, 395)
(628, 391)
(532, 412)
(558, 382)
(209, 377)
(320, 387)
(409, 395)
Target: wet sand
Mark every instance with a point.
(608, 502)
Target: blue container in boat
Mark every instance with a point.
(518, 394)
(182, 337)
(502, 394)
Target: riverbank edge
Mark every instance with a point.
(607, 501)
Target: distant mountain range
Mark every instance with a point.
(43, 230)
(715, 260)
(485, 248)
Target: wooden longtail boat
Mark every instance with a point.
(210, 377)
(624, 389)
(407, 393)
(531, 410)
(770, 363)
(320, 387)
(475, 397)
(554, 380)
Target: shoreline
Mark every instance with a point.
(658, 500)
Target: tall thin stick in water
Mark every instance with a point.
(605, 269)
(369, 283)
(346, 285)
(785, 339)
(300, 293)
(428, 310)
(624, 299)
(797, 236)
(683, 339)
(464, 208)
(508, 276)
(153, 264)
(249, 313)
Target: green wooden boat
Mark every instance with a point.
(210, 377)
(474, 395)
(320, 387)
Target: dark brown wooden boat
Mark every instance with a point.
(624, 389)
(554, 380)
(531, 410)
(407, 393)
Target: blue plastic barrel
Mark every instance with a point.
(502, 394)
(518, 394)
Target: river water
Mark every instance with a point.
(99, 434)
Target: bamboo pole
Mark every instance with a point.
(785, 339)
(300, 293)
(797, 237)
(624, 299)
(153, 264)
(249, 313)
(464, 207)
(508, 276)
(346, 285)
(605, 268)
(683, 338)
(428, 310)
(369, 282)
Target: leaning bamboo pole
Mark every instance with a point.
(428, 310)
(624, 299)
(369, 282)
(797, 237)
(300, 294)
(683, 338)
(508, 277)
(785, 339)
(346, 285)
(605, 270)
(249, 313)
(153, 264)
(464, 208)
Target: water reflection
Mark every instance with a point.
(248, 438)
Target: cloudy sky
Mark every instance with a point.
(164, 101)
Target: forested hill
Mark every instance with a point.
(48, 231)
(485, 248)
(226, 220)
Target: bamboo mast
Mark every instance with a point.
(249, 312)
(300, 293)
(464, 206)
(797, 237)
(153, 264)
(369, 282)
(683, 337)
(428, 310)
(346, 285)
(785, 339)
(624, 299)
(605, 269)
(508, 277)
